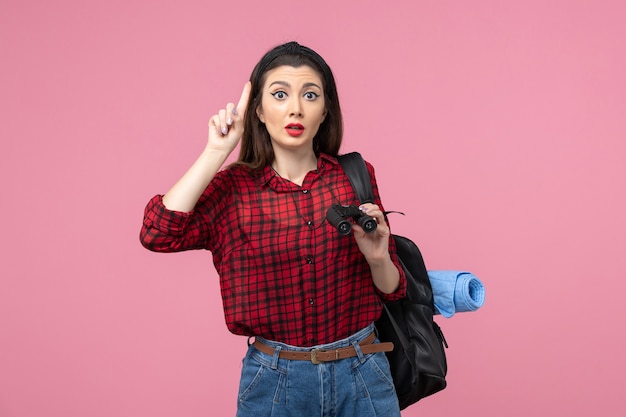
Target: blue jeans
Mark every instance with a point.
(358, 386)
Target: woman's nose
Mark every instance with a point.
(296, 108)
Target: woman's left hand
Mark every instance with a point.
(375, 248)
(374, 245)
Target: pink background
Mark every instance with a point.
(497, 127)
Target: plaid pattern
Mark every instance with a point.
(285, 273)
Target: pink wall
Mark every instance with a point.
(498, 127)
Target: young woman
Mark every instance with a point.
(307, 294)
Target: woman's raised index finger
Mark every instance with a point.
(243, 100)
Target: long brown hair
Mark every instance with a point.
(256, 148)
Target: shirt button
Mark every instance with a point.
(311, 301)
(305, 191)
(309, 261)
(309, 223)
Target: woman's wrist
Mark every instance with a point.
(385, 275)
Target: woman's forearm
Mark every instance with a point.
(184, 195)
(385, 275)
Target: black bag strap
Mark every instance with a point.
(354, 166)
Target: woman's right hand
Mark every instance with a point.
(226, 127)
(184, 195)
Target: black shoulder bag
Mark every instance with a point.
(418, 361)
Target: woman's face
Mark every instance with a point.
(292, 106)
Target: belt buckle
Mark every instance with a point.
(314, 357)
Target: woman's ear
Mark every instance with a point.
(259, 114)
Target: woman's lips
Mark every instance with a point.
(294, 129)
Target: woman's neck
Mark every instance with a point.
(293, 167)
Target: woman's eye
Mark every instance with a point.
(280, 95)
(311, 95)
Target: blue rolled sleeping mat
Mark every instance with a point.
(456, 292)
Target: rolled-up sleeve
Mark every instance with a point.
(165, 230)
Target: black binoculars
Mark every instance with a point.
(338, 216)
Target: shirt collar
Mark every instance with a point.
(324, 162)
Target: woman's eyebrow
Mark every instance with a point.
(311, 85)
(286, 84)
(283, 83)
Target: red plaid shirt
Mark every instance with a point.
(285, 273)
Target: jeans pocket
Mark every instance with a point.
(375, 389)
(375, 375)
(259, 386)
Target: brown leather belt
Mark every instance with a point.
(318, 356)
